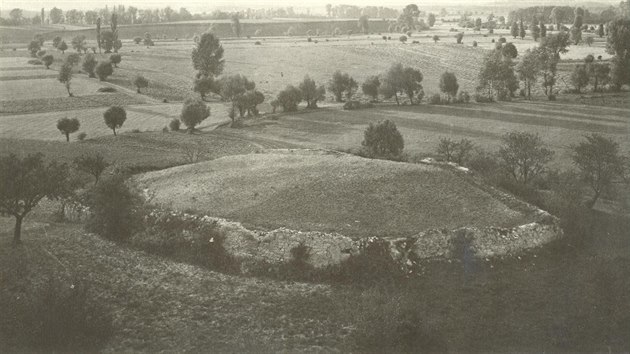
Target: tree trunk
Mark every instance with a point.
(17, 232)
(67, 137)
(396, 96)
(138, 90)
(114, 129)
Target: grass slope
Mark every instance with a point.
(329, 192)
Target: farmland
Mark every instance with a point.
(306, 170)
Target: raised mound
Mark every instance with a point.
(329, 192)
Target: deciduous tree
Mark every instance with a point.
(115, 117)
(194, 112)
(311, 93)
(523, 156)
(68, 126)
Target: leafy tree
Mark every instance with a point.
(34, 47)
(599, 74)
(117, 44)
(103, 70)
(113, 209)
(115, 116)
(370, 87)
(48, 59)
(233, 86)
(248, 102)
(436, 38)
(364, 24)
(98, 34)
(56, 41)
(72, 59)
(523, 156)
(65, 77)
(89, 64)
(619, 72)
(115, 59)
(497, 77)
(579, 77)
(383, 139)
(449, 85)
(194, 112)
(535, 32)
(543, 30)
(137, 40)
(589, 41)
(62, 47)
(289, 98)
(431, 20)
(78, 43)
(56, 15)
(527, 70)
(207, 56)
(205, 85)
(140, 82)
(68, 126)
(340, 83)
(236, 25)
(94, 165)
(521, 30)
(557, 16)
(311, 93)
(455, 151)
(576, 35)
(402, 39)
(459, 37)
(16, 16)
(24, 182)
(600, 164)
(600, 30)
(514, 30)
(618, 44)
(509, 50)
(107, 41)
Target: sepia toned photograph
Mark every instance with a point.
(319, 176)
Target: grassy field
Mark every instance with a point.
(315, 191)
(560, 124)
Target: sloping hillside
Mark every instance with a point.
(330, 192)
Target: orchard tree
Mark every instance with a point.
(459, 37)
(194, 112)
(543, 30)
(207, 55)
(62, 47)
(103, 70)
(33, 47)
(107, 41)
(449, 85)
(140, 82)
(233, 86)
(94, 165)
(115, 59)
(204, 85)
(311, 93)
(514, 30)
(431, 20)
(534, 30)
(115, 118)
(68, 126)
(509, 50)
(78, 43)
(497, 77)
(527, 70)
(65, 76)
(56, 41)
(248, 102)
(340, 83)
(521, 30)
(289, 98)
(236, 25)
(364, 24)
(370, 87)
(436, 38)
(48, 59)
(383, 139)
(600, 163)
(523, 156)
(579, 77)
(89, 64)
(24, 182)
(599, 75)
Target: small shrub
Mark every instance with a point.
(352, 105)
(309, 39)
(463, 97)
(403, 39)
(81, 136)
(135, 130)
(114, 209)
(41, 53)
(435, 99)
(103, 70)
(137, 40)
(35, 62)
(106, 89)
(257, 43)
(474, 43)
(383, 139)
(174, 125)
(482, 98)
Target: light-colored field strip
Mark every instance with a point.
(43, 126)
(47, 88)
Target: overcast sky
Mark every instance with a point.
(198, 5)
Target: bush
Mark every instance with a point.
(81, 136)
(373, 264)
(352, 105)
(194, 111)
(474, 43)
(435, 99)
(174, 124)
(114, 209)
(257, 43)
(482, 98)
(140, 82)
(463, 97)
(403, 39)
(185, 238)
(289, 98)
(115, 59)
(137, 40)
(383, 139)
(41, 53)
(106, 89)
(103, 70)
(48, 59)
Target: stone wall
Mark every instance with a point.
(274, 247)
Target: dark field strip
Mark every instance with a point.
(11, 78)
(65, 103)
(21, 68)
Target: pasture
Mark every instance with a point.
(315, 191)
